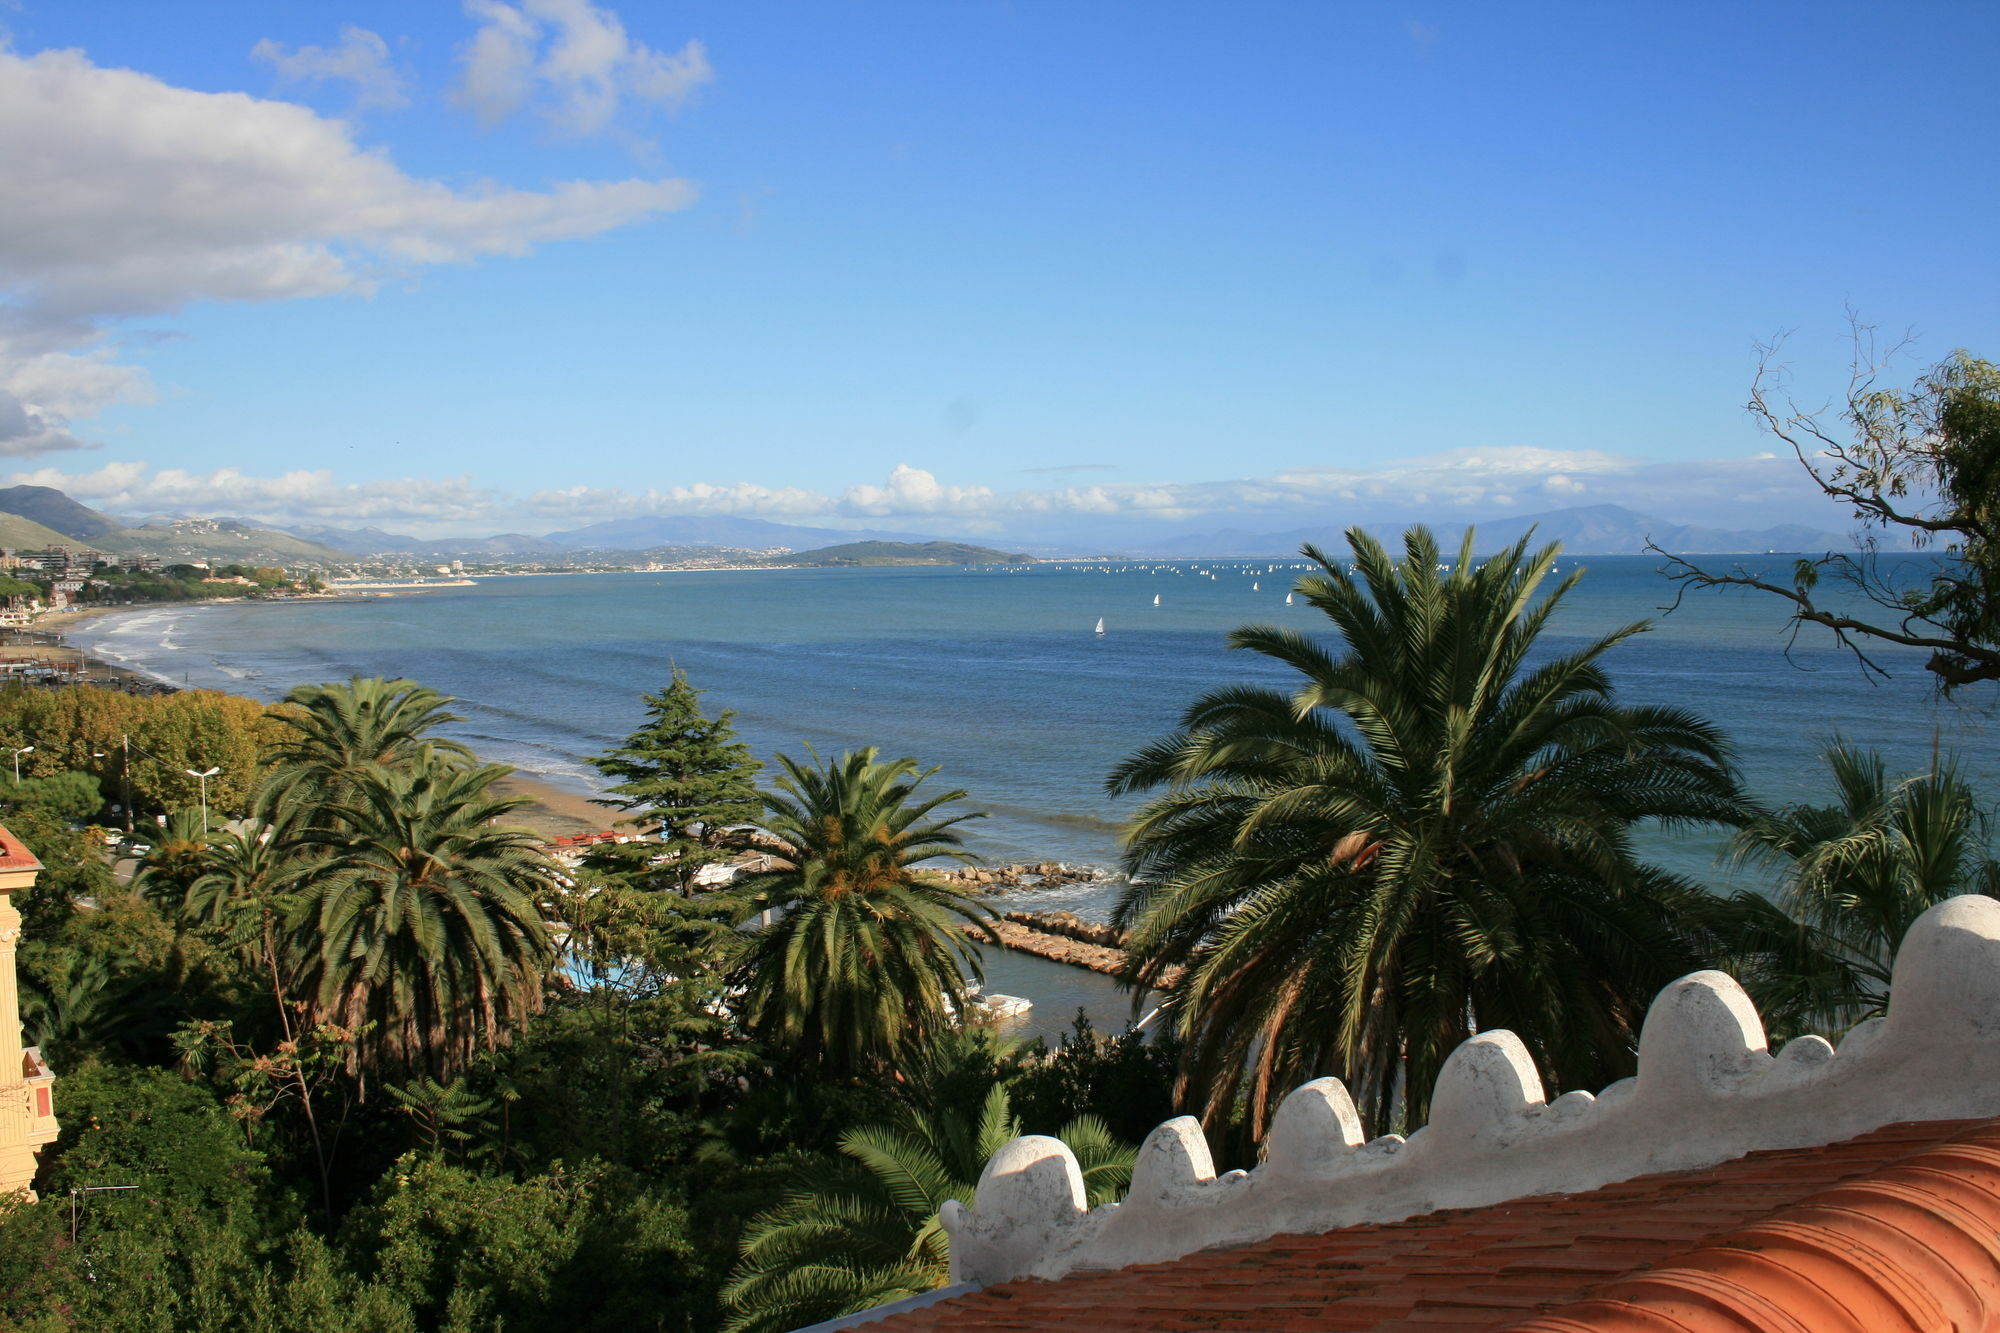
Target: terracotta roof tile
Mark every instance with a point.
(14, 854)
(1895, 1230)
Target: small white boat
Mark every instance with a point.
(1288, 599)
(1156, 599)
(1253, 587)
(1100, 624)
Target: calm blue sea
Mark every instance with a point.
(995, 674)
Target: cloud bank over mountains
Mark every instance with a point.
(1464, 485)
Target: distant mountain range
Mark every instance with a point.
(1584, 530)
(745, 534)
(904, 553)
(37, 516)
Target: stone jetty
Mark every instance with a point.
(1064, 937)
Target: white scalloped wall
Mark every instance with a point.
(1708, 1090)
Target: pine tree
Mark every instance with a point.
(688, 778)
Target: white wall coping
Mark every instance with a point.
(1708, 1090)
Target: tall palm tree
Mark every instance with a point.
(424, 918)
(1852, 878)
(338, 730)
(868, 1233)
(1430, 833)
(866, 953)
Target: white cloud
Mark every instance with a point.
(911, 490)
(573, 61)
(589, 504)
(67, 384)
(300, 496)
(362, 58)
(1455, 487)
(126, 196)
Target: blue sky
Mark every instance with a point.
(1034, 270)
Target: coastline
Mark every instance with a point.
(45, 640)
(552, 811)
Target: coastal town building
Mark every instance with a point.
(27, 1086)
(1813, 1189)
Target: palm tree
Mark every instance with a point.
(866, 954)
(1852, 877)
(244, 897)
(424, 919)
(869, 1233)
(1429, 834)
(338, 730)
(179, 856)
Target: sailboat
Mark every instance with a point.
(1253, 587)
(1100, 624)
(1288, 599)
(1156, 599)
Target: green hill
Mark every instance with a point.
(903, 553)
(52, 509)
(220, 541)
(24, 534)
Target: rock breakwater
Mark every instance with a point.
(1026, 875)
(1064, 937)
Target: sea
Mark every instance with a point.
(998, 677)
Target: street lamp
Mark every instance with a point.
(203, 776)
(25, 749)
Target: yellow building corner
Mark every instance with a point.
(27, 1085)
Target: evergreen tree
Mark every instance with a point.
(687, 778)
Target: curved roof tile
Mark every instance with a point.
(1911, 1248)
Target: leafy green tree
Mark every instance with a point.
(686, 778)
(74, 870)
(1920, 465)
(867, 1233)
(70, 797)
(1126, 1080)
(168, 1137)
(424, 933)
(1430, 834)
(636, 1045)
(1853, 876)
(861, 956)
(565, 1248)
(198, 730)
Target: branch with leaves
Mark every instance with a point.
(1923, 463)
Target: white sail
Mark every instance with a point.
(1253, 587)
(1100, 624)
(1156, 599)
(1288, 599)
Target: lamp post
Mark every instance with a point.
(25, 749)
(202, 777)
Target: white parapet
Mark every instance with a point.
(1708, 1089)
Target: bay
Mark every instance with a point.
(995, 675)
